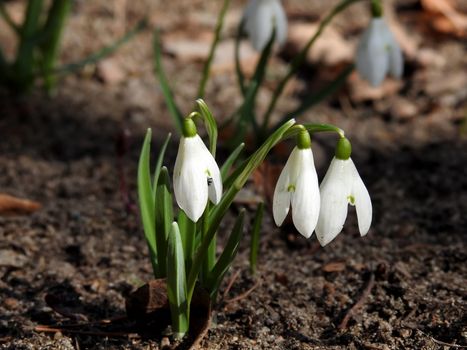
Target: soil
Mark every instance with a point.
(74, 261)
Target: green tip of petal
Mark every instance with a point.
(189, 128)
(343, 149)
(376, 8)
(303, 140)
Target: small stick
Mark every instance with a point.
(93, 323)
(353, 310)
(231, 282)
(243, 295)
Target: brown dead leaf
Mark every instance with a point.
(10, 204)
(336, 266)
(445, 17)
(361, 90)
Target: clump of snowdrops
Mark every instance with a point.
(265, 24)
(182, 242)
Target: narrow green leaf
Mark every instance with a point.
(160, 160)
(24, 64)
(146, 201)
(163, 215)
(254, 248)
(188, 235)
(225, 168)
(166, 90)
(52, 32)
(209, 123)
(217, 35)
(176, 283)
(225, 260)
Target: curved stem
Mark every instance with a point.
(207, 65)
(300, 58)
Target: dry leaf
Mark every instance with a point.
(334, 267)
(445, 17)
(10, 204)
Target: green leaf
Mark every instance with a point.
(176, 283)
(166, 90)
(217, 35)
(209, 123)
(225, 168)
(227, 256)
(146, 201)
(188, 235)
(163, 215)
(52, 33)
(160, 160)
(254, 248)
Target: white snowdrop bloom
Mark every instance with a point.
(196, 176)
(298, 187)
(259, 19)
(341, 186)
(378, 53)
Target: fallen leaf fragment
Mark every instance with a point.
(10, 204)
(335, 266)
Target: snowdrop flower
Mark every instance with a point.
(298, 187)
(378, 53)
(196, 175)
(259, 20)
(342, 185)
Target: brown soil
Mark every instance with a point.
(76, 259)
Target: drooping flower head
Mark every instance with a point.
(260, 18)
(298, 187)
(378, 52)
(342, 186)
(196, 174)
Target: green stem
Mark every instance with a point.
(102, 53)
(328, 90)
(207, 65)
(238, 67)
(220, 209)
(300, 58)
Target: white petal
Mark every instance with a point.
(335, 190)
(362, 202)
(215, 181)
(190, 180)
(372, 59)
(306, 197)
(282, 196)
(396, 60)
(280, 21)
(262, 25)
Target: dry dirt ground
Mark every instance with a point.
(76, 259)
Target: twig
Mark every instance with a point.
(243, 295)
(353, 310)
(94, 323)
(440, 342)
(47, 329)
(231, 282)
